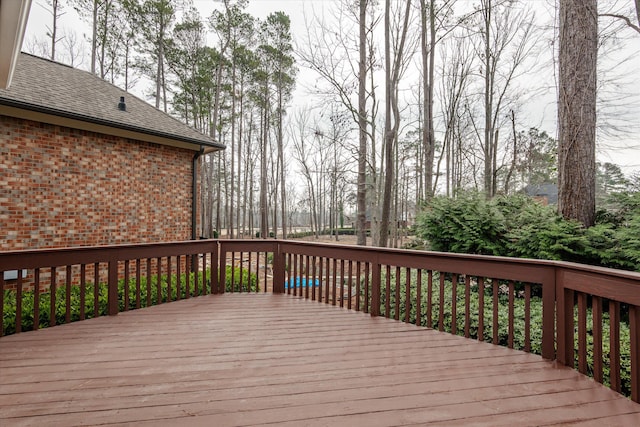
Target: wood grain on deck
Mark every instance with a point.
(235, 360)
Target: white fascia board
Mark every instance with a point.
(13, 22)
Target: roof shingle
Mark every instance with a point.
(49, 87)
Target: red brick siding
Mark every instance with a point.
(62, 187)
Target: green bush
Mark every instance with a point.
(468, 224)
(537, 231)
(519, 226)
(148, 296)
(234, 276)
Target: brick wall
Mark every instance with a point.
(61, 187)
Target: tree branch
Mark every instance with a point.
(625, 19)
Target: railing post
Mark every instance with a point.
(279, 264)
(634, 332)
(215, 263)
(112, 284)
(375, 288)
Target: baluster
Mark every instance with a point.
(480, 308)
(441, 302)
(36, 301)
(125, 288)
(582, 332)
(387, 302)
(596, 309)
(614, 346)
(467, 306)
(495, 285)
(429, 299)
(19, 302)
(419, 298)
(407, 295)
(454, 303)
(527, 318)
(511, 313)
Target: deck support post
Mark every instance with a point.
(279, 264)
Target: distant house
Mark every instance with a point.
(85, 163)
(547, 193)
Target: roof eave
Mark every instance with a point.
(13, 21)
(18, 109)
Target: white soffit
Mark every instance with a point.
(13, 21)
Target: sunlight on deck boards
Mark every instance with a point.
(236, 360)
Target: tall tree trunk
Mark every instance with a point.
(428, 44)
(388, 132)
(361, 196)
(392, 74)
(159, 69)
(103, 36)
(94, 34)
(488, 103)
(264, 213)
(240, 137)
(577, 109)
(55, 9)
(247, 207)
(374, 194)
(283, 193)
(514, 159)
(216, 226)
(230, 222)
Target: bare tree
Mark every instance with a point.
(38, 46)
(329, 49)
(303, 152)
(505, 43)
(394, 68)
(623, 16)
(457, 61)
(73, 48)
(361, 197)
(434, 27)
(55, 9)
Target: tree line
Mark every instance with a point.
(407, 100)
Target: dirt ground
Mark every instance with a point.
(342, 240)
(348, 240)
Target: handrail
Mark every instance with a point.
(382, 281)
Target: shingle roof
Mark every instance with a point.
(49, 87)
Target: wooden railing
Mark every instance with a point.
(94, 278)
(579, 315)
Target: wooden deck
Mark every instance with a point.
(236, 360)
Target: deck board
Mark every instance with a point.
(234, 360)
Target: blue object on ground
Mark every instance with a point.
(301, 282)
